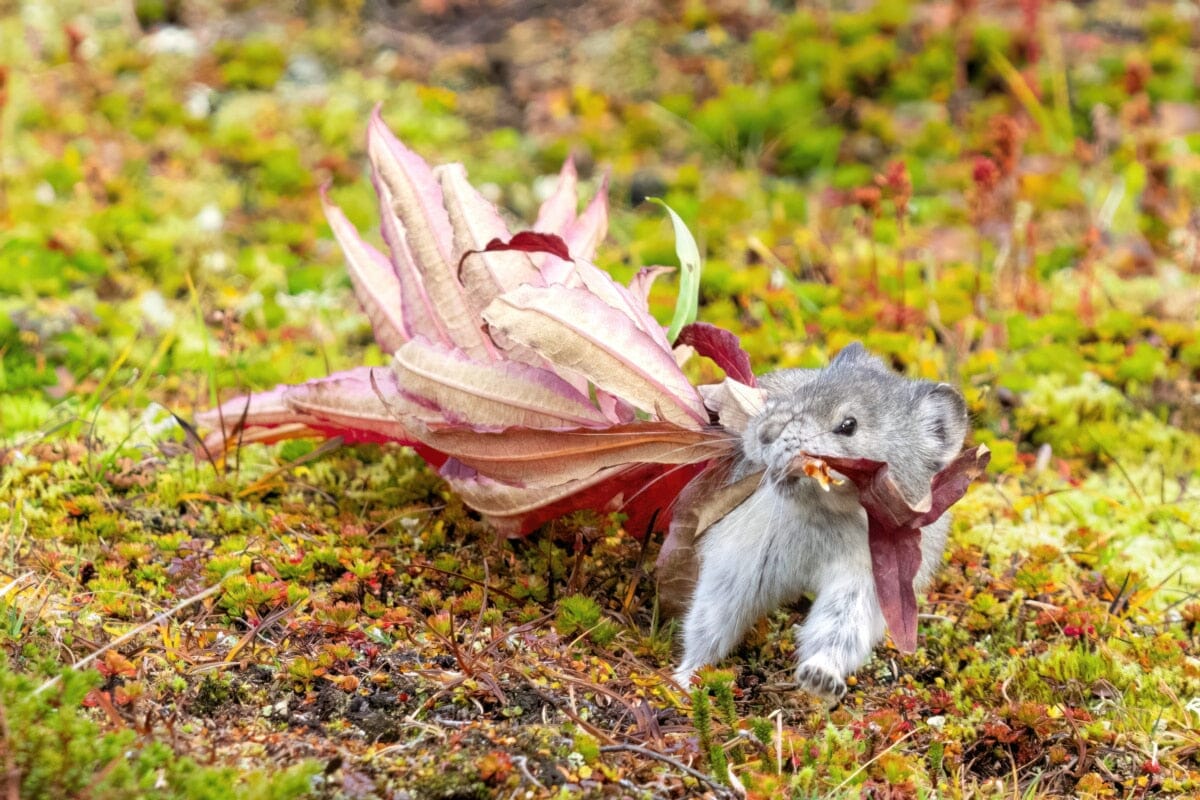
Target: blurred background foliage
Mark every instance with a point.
(1001, 194)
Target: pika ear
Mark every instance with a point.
(850, 353)
(941, 419)
(854, 354)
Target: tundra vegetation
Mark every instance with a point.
(1002, 195)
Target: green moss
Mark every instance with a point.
(61, 752)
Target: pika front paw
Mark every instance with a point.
(818, 679)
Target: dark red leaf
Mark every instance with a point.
(645, 493)
(649, 506)
(895, 560)
(721, 346)
(951, 483)
(894, 529)
(526, 242)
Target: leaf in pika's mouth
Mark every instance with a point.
(894, 528)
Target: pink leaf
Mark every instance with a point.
(587, 231)
(601, 284)
(375, 282)
(418, 309)
(517, 511)
(476, 222)
(559, 209)
(346, 404)
(734, 403)
(353, 404)
(417, 194)
(492, 394)
(640, 284)
(531, 457)
(557, 271)
(413, 206)
(575, 330)
(722, 347)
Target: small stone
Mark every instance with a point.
(172, 40)
(306, 70)
(210, 219)
(198, 103)
(44, 194)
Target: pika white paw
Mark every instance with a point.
(817, 678)
(684, 678)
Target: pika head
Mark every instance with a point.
(857, 408)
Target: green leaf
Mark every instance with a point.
(688, 302)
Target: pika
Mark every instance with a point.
(792, 537)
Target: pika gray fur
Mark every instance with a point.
(791, 537)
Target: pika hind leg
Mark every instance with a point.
(723, 608)
(735, 587)
(842, 628)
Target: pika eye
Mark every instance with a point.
(847, 427)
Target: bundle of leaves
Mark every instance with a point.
(533, 381)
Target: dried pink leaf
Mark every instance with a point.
(550, 457)
(601, 284)
(640, 283)
(734, 403)
(558, 210)
(418, 310)
(577, 331)
(375, 282)
(412, 196)
(476, 222)
(351, 404)
(491, 395)
(645, 493)
(584, 235)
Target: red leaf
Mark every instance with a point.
(722, 347)
(645, 493)
(526, 242)
(951, 483)
(895, 560)
(894, 529)
(651, 506)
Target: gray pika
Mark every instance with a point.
(791, 537)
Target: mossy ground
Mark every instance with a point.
(163, 245)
